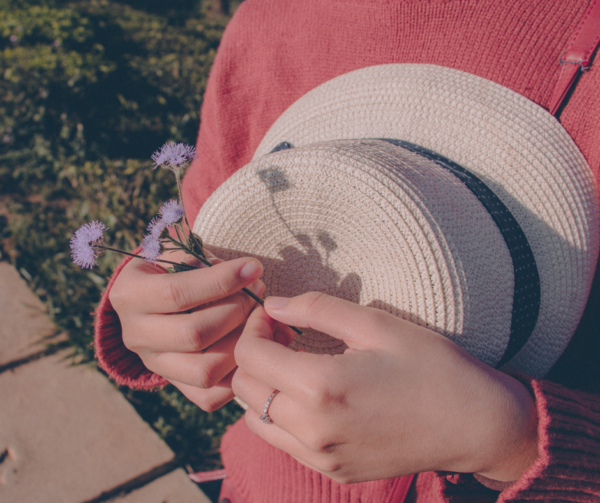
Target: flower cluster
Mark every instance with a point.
(83, 242)
(173, 156)
(86, 243)
(170, 213)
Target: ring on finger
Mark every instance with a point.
(265, 418)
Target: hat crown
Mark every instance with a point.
(519, 150)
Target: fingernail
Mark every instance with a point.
(275, 302)
(201, 265)
(196, 263)
(250, 271)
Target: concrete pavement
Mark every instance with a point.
(66, 434)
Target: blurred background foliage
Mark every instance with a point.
(88, 90)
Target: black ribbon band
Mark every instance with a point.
(527, 292)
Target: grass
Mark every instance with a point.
(88, 90)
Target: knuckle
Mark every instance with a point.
(341, 478)
(320, 442)
(326, 393)
(320, 397)
(220, 286)
(242, 353)
(192, 338)
(208, 403)
(174, 296)
(204, 378)
(131, 339)
(331, 467)
(235, 383)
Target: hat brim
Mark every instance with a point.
(516, 147)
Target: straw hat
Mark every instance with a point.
(436, 195)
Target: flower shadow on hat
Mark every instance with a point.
(307, 269)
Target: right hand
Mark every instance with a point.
(184, 326)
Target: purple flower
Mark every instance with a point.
(151, 243)
(173, 155)
(151, 246)
(155, 227)
(82, 251)
(13, 38)
(171, 212)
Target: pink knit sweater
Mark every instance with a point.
(272, 53)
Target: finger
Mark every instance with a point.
(171, 293)
(190, 332)
(255, 393)
(283, 334)
(201, 370)
(359, 326)
(284, 441)
(283, 410)
(211, 399)
(273, 364)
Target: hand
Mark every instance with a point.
(184, 326)
(402, 399)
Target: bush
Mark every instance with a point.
(88, 91)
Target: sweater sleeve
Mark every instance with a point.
(568, 465)
(121, 364)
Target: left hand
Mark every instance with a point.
(402, 399)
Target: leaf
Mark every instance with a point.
(197, 245)
(182, 267)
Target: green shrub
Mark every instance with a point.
(88, 90)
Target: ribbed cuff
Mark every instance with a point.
(567, 469)
(568, 465)
(122, 365)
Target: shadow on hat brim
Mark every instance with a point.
(519, 150)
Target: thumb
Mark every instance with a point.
(358, 326)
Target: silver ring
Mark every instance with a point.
(265, 418)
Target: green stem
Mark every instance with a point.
(116, 250)
(178, 178)
(245, 290)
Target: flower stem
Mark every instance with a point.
(178, 178)
(191, 267)
(116, 250)
(208, 264)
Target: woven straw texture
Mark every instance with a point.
(361, 221)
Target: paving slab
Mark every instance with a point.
(175, 487)
(25, 327)
(68, 435)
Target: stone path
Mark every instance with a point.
(66, 434)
